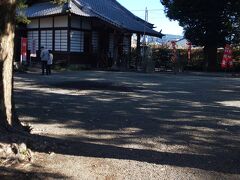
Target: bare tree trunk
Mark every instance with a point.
(211, 42)
(210, 53)
(7, 29)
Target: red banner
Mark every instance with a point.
(227, 61)
(23, 50)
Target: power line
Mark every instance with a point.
(148, 10)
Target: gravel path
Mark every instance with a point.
(112, 125)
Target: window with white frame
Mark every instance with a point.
(32, 40)
(46, 39)
(61, 40)
(77, 41)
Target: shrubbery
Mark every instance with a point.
(162, 54)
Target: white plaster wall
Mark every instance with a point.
(33, 24)
(76, 22)
(46, 22)
(61, 21)
(86, 24)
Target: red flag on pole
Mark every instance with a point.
(227, 61)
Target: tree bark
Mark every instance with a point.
(7, 114)
(211, 44)
(210, 53)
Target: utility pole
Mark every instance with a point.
(146, 20)
(145, 63)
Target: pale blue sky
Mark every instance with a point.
(156, 15)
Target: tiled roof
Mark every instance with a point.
(78, 9)
(44, 9)
(108, 10)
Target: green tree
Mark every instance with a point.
(208, 23)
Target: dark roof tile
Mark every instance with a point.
(108, 10)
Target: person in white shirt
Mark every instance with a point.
(44, 58)
(49, 63)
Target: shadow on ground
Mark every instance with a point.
(12, 173)
(11, 168)
(135, 117)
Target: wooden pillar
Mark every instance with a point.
(53, 34)
(138, 51)
(69, 38)
(129, 51)
(39, 35)
(130, 43)
(115, 49)
(39, 40)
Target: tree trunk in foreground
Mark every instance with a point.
(211, 44)
(7, 28)
(210, 53)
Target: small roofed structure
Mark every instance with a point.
(84, 31)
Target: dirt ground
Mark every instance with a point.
(113, 125)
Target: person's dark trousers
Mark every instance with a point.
(48, 69)
(44, 66)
